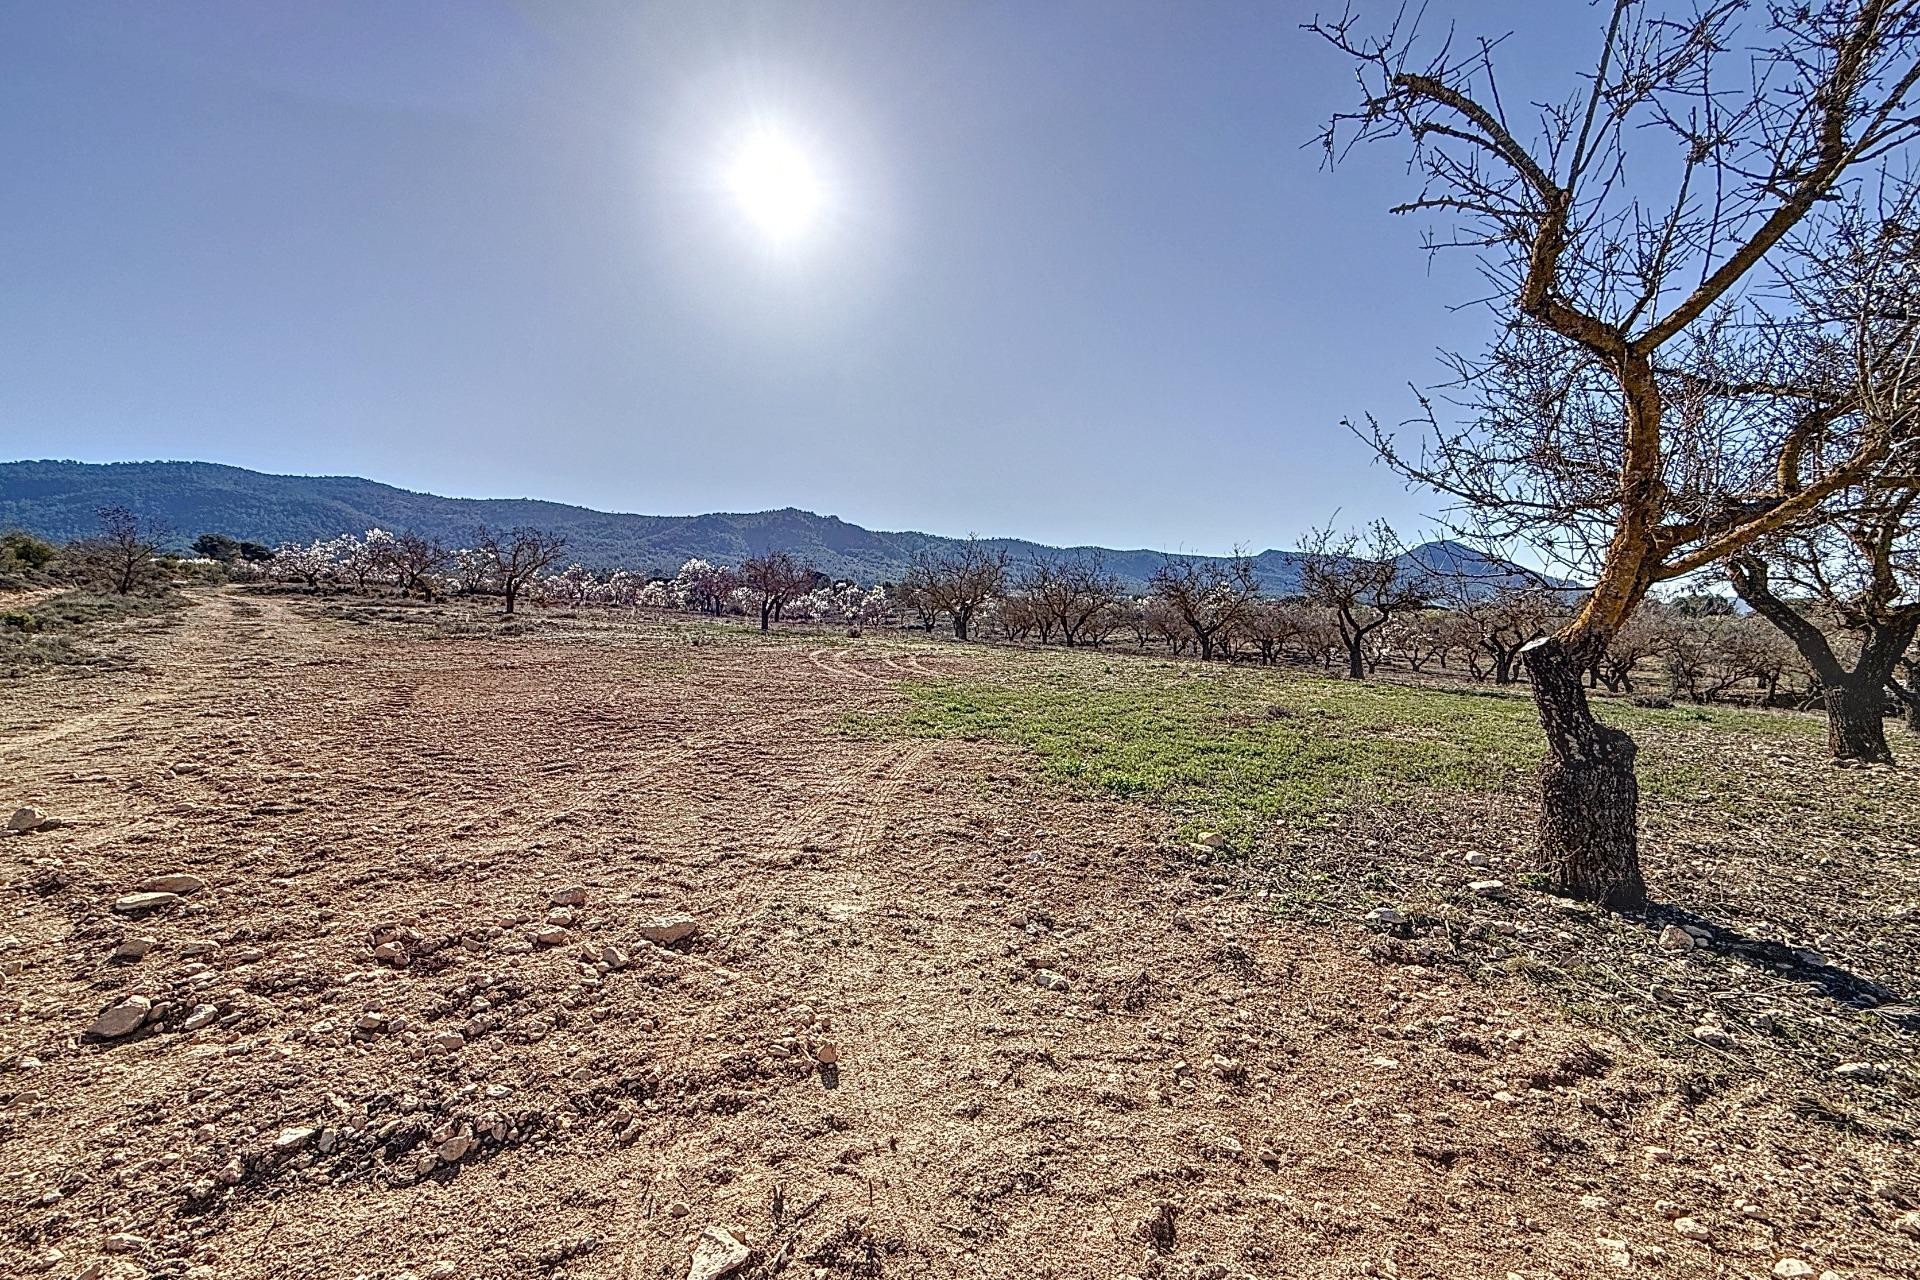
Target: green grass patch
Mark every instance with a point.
(1234, 750)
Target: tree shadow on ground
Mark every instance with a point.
(1790, 965)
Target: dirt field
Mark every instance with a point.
(943, 1015)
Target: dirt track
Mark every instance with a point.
(1275, 1102)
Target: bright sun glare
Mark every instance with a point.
(776, 185)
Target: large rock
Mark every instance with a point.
(174, 882)
(717, 1254)
(122, 1019)
(669, 929)
(135, 903)
(26, 818)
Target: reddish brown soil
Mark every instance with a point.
(1214, 1094)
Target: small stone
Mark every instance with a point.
(134, 948)
(123, 1242)
(552, 935)
(1478, 859)
(717, 1254)
(1792, 1268)
(1674, 938)
(134, 903)
(1210, 840)
(1868, 1072)
(456, 1147)
(1690, 1228)
(560, 915)
(26, 818)
(202, 1015)
(291, 1140)
(573, 895)
(1714, 1037)
(669, 929)
(1048, 980)
(1487, 888)
(122, 1019)
(1386, 916)
(176, 882)
(826, 1051)
(451, 1041)
(1908, 1224)
(390, 952)
(679, 1209)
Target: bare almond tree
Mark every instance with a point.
(1598, 424)
(1209, 597)
(775, 580)
(517, 556)
(1862, 571)
(126, 549)
(1364, 577)
(958, 582)
(1072, 594)
(415, 558)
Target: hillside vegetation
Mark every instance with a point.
(59, 500)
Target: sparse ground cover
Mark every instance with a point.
(48, 626)
(964, 1000)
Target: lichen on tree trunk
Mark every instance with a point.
(1589, 796)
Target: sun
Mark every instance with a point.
(776, 185)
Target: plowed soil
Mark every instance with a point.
(938, 1019)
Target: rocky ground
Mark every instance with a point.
(386, 943)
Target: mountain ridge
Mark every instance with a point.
(59, 499)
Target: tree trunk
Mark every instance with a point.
(1856, 721)
(1356, 660)
(959, 626)
(513, 591)
(1589, 796)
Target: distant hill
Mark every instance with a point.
(59, 500)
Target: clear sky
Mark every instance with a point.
(1062, 271)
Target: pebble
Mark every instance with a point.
(1048, 980)
(1867, 1071)
(134, 948)
(454, 1148)
(174, 882)
(1690, 1228)
(1908, 1224)
(121, 1019)
(573, 895)
(1386, 916)
(716, 1254)
(1792, 1268)
(202, 1015)
(1211, 840)
(669, 929)
(552, 935)
(1674, 938)
(294, 1139)
(826, 1051)
(1487, 888)
(1715, 1037)
(136, 902)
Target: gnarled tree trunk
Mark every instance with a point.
(1856, 721)
(1589, 796)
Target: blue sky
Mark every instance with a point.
(1076, 277)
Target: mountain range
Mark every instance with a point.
(61, 500)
